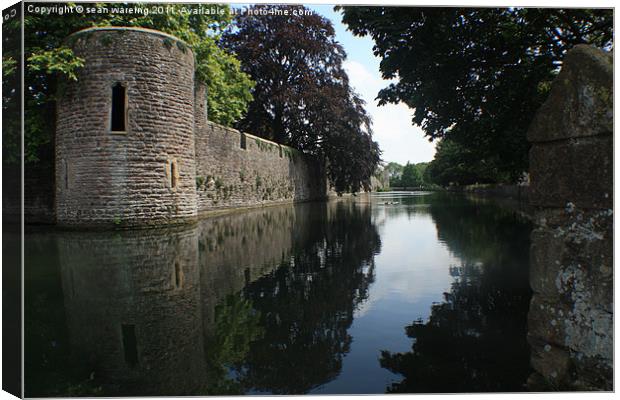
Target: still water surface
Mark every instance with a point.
(395, 292)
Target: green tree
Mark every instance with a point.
(411, 176)
(422, 167)
(395, 171)
(48, 56)
(476, 76)
(426, 175)
(11, 87)
(455, 164)
(302, 95)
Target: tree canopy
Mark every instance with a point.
(409, 175)
(302, 95)
(458, 164)
(48, 56)
(394, 169)
(476, 76)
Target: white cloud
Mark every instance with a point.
(398, 138)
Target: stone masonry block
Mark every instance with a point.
(546, 254)
(579, 171)
(546, 320)
(581, 99)
(554, 364)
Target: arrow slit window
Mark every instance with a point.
(118, 120)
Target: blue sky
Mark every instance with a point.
(398, 139)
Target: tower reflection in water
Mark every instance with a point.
(228, 306)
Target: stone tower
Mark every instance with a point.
(125, 131)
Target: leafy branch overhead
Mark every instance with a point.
(476, 76)
(60, 60)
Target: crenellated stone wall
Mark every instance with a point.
(571, 189)
(235, 169)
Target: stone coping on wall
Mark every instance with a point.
(233, 131)
(130, 28)
(580, 103)
(270, 142)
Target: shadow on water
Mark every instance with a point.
(264, 302)
(475, 340)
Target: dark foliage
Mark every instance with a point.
(458, 164)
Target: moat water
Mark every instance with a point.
(393, 292)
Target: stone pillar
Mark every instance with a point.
(571, 166)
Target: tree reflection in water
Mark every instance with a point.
(307, 304)
(463, 346)
(236, 326)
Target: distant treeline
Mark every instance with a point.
(409, 175)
